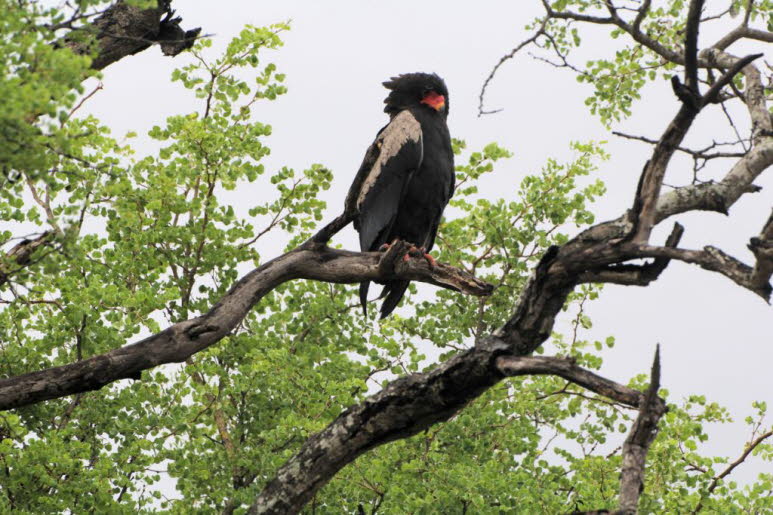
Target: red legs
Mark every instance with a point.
(413, 251)
(385, 246)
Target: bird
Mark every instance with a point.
(406, 178)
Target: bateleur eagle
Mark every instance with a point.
(407, 176)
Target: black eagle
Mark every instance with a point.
(407, 176)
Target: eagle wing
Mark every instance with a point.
(379, 186)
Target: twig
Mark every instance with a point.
(699, 154)
(715, 482)
(502, 60)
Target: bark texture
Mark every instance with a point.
(178, 342)
(123, 30)
(602, 253)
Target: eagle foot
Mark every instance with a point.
(414, 251)
(386, 246)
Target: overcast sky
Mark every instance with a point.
(716, 338)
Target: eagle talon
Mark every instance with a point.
(422, 252)
(419, 252)
(415, 251)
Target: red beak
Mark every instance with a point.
(435, 101)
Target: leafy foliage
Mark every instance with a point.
(618, 79)
(144, 241)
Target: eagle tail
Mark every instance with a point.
(364, 296)
(394, 291)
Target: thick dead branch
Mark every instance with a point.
(644, 208)
(405, 407)
(409, 405)
(762, 125)
(638, 442)
(184, 339)
(634, 275)
(719, 196)
(123, 30)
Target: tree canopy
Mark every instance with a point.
(276, 392)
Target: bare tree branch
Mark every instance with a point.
(691, 45)
(181, 340)
(645, 203)
(637, 444)
(750, 446)
(566, 368)
(403, 408)
(721, 195)
(743, 32)
(713, 259)
(698, 154)
(634, 275)
(410, 404)
(540, 31)
(762, 125)
(713, 93)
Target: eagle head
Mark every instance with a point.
(414, 89)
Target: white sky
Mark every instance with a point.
(716, 339)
